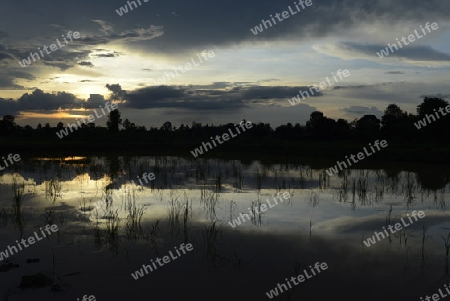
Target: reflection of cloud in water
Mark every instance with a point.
(193, 201)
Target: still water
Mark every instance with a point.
(251, 227)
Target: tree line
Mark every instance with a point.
(396, 126)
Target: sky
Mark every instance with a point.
(125, 57)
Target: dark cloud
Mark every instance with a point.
(62, 59)
(349, 87)
(358, 111)
(21, 74)
(438, 95)
(127, 36)
(395, 72)
(7, 83)
(5, 56)
(192, 98)
(108, 54)
(274, 92)
(270, 80)
(61, 65)
(40, 101)
(104, 55)
(211, 24)
(323, 18)
(412, 53)
(87, 64)
(94, 101)
(117, 92)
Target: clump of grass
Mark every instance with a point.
(232, 205)
(134, 217)
(424, 240)
(185, 219)
(18, 190)
(210, 235)
(218, 183)
(152, 236)
(53, 189)
(313, 198)
(17, 209)
(343, 188)
(53, 192)
(256, 218)
(112, 230)
(209, 202)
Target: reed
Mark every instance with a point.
(174, 213)
(388, 222)
(447, 250)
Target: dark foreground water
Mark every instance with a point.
(109, 227)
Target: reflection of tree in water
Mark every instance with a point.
(114, 166)
(432, 178)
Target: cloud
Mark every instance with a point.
(412, 54)
(127, 36)
(106, 27)
(104, 55)
(216, 25)
(94, 101)
(87, 64)
(359, 111)
(394, 72)
(5, 56)
(38, 100)
(61, 65)
(271, 92)
(209, 97)
(325, 18)
(59, 27)
(117, 92)
(7, 83)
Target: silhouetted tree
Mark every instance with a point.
(320, 126)
(392, 114)
(429, 105)
(433, 110)
(7, 124)
(367, 127)
(167, 126)
(127, 125)
(114, 121)
(343, 129)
